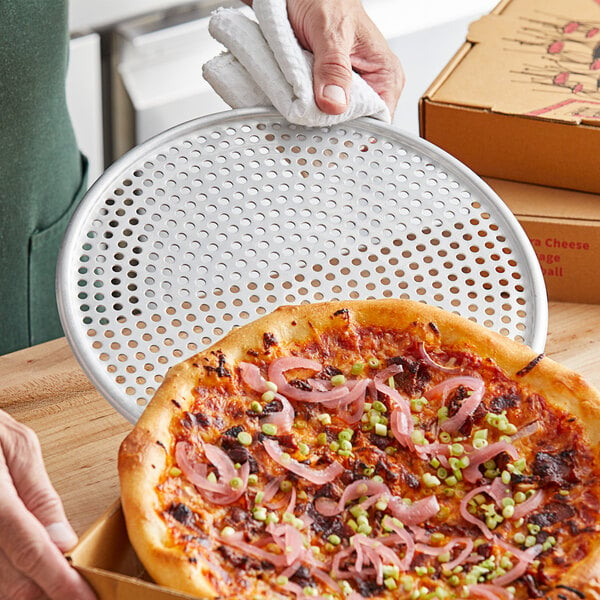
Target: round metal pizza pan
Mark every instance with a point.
(219, 220)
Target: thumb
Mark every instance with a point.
(332, 76)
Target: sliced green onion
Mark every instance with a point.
(324, 418)
(380, 429)
(269, 429)
(271, 518)
(338, 380)
(346, 445)
(357, 368)
(379, 406)
(268, 396)
(345, 434)
(390, 583)
(260, 513)
(430, 480)
(244, 438)
(519, 538)
(236, 483)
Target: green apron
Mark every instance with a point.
(42, 174)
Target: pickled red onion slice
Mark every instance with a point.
(289, 539)
(388, 372)
(402, 536)
(357, 489)
(371, 551)
(276, 375)
(220, 492)
(195, 471)
(490, 592)
(356, 399)
(520, 567)
(498, 490)
(316, 476)
(437, 550)
(427, 359)
(401, 422)
(436, 449)
(517, 552)
(467, 516)
(529, 505)
(326, 579)
(220, 459)
(441, 390)
(493, 490)
(526, 431)
(284, 418)
(272, 488)
(415, 513)
(279, 560)
(469, 404)
(252, 377)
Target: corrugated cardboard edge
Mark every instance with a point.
(107, 584)
(549, 203)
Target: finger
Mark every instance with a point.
(374, 60)
(388, 82)
(13, 584)
(27, 544)
(332, 72)
(31, 551)
(25, 464)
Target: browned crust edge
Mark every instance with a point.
(142, 456)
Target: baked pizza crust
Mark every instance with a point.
(143, 454)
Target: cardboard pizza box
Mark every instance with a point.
(521, 98)
(564, 229)
(106, 559)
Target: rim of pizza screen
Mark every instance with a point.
(222, 219)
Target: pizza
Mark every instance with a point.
(367, 449)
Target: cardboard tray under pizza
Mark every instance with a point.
(106, 559)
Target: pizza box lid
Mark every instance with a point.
(105, 558)
(520, 100)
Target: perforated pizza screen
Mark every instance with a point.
(225, 218)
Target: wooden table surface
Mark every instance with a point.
(80, 433)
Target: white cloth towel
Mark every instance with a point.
(265, 65)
